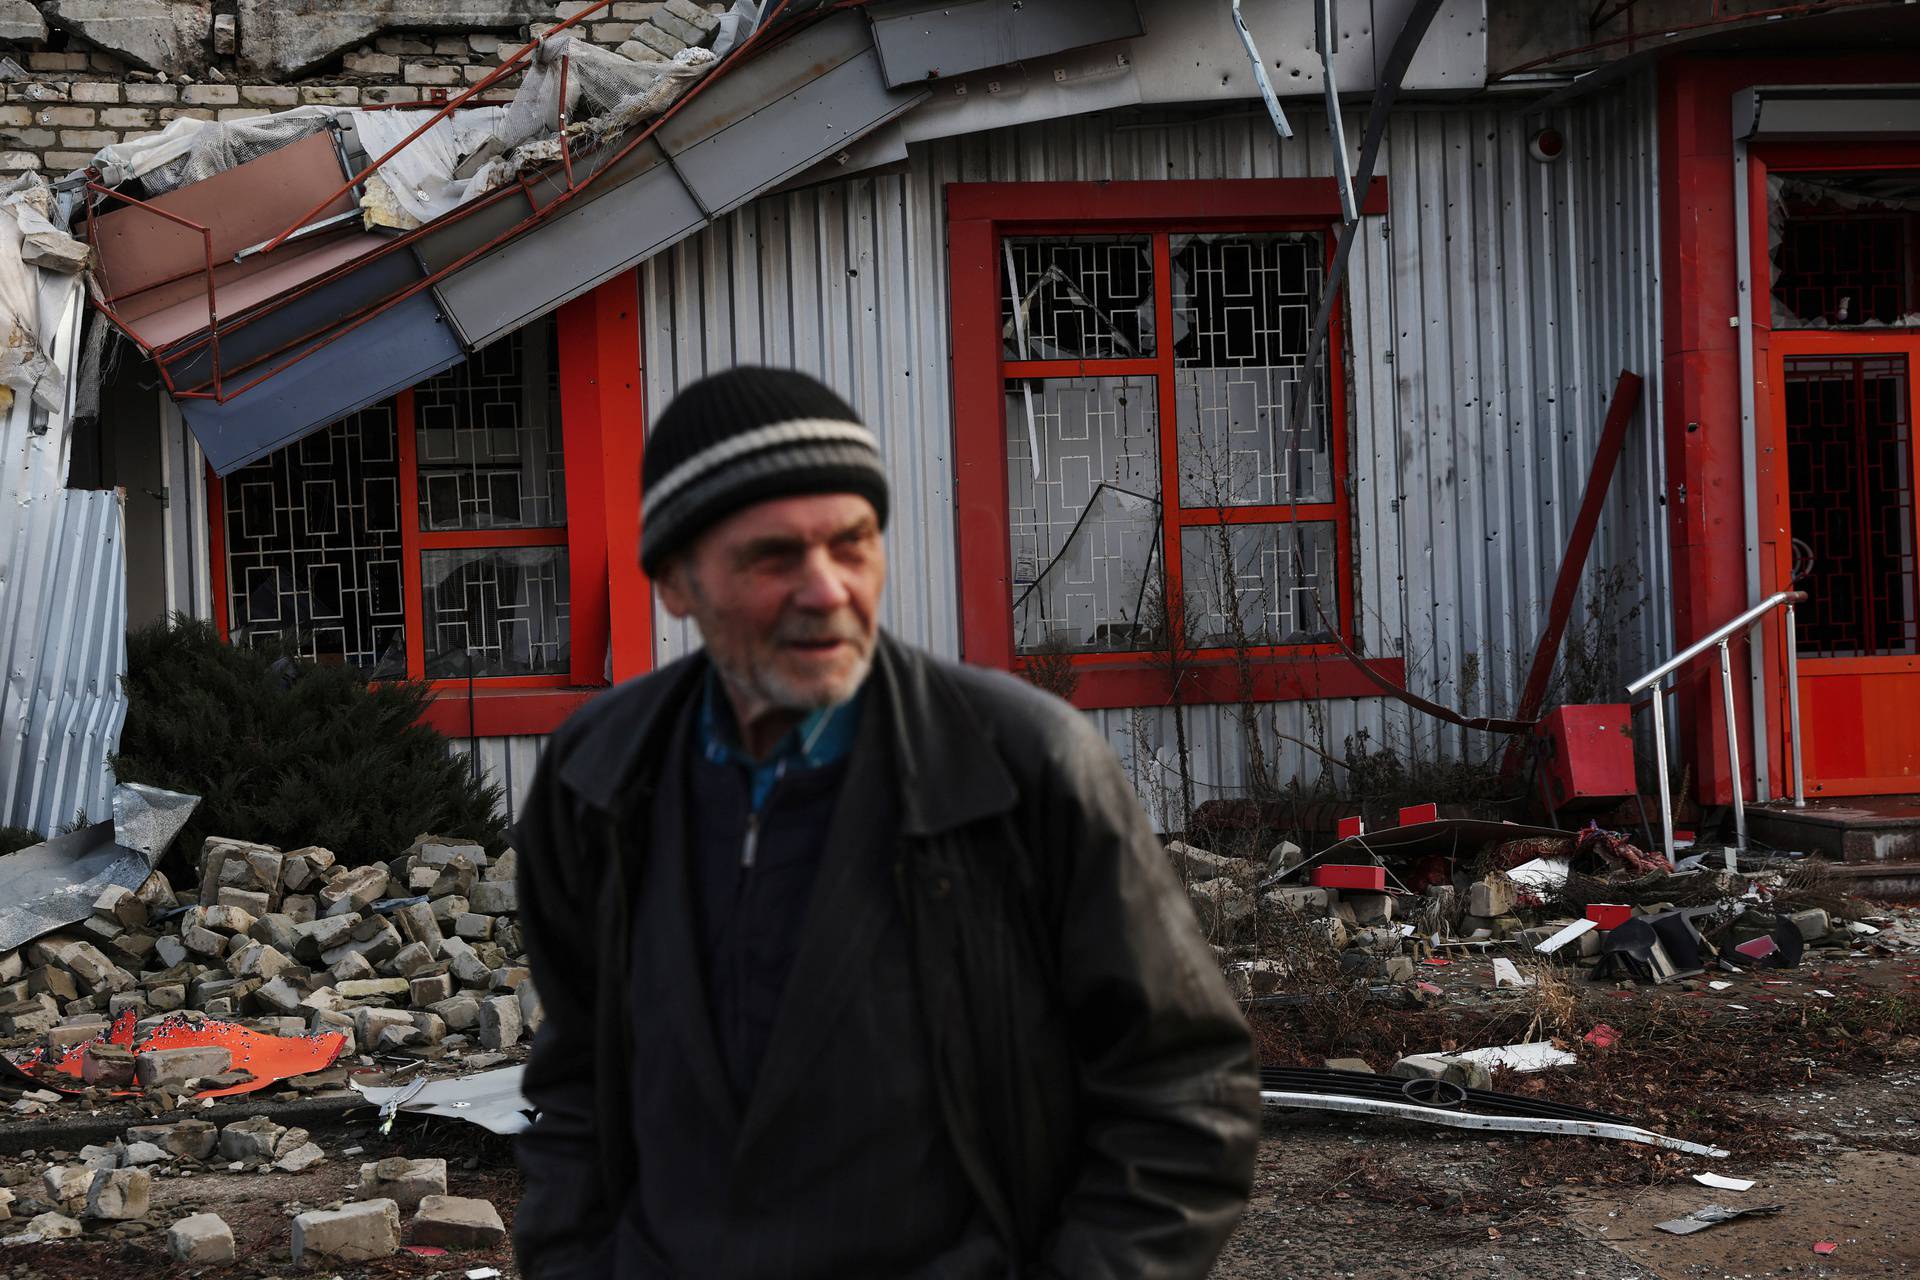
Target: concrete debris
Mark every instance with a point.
(200, 1240)
(356, 1232)
(118, 1195)
(401, 1181)
(457, 1222)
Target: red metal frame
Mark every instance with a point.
(979, 216)
(1701, 363)
(611, 607)
(1613, 438)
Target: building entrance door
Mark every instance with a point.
(1845, 412)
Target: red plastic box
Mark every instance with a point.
(1587, 753)
(1609, 915)
(1419, 813)
(1351, 827)
(1369, 879)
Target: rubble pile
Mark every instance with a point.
(413, 958)
(1403, 906)
(111, 1191)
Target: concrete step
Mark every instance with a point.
(1859, 830)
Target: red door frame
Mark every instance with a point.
(1700, 366)
(603, 432)
(978, 216)
(1818, 716)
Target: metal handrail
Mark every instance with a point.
(1719, 638)
(1719, 634)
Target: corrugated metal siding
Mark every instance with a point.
(63, 607)
(1489, 312)
(509, 763)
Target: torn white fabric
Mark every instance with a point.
(418, 184)
(188, 150)
(736, 25)
(29, 242)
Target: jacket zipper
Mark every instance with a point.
(752, 843)
(750, 847)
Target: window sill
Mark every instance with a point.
(502, 713)
(1287, 679)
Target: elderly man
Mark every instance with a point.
(856, 963)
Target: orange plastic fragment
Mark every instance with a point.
(268, 1057)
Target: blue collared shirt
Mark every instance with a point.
(824, 736)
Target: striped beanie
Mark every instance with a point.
(744, 436)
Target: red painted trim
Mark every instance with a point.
(217, 552)
(412, 579)
(1701, 363)
(606, 324)
(580, 421)
(1078, 203)
(505, 713)
(979, 214)
(985, 549)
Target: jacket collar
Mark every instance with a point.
(947, 765)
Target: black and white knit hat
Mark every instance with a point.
(744, 436)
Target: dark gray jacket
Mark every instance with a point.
(1098, 1082)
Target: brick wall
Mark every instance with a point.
(75, 99)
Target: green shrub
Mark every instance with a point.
(14, 839)
(292, 753)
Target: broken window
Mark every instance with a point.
(1248, 536)
(471, 580)
(1242, 311)
(1083, 493)
(1278, 577)
(1845, 249)
(1077, 297)
(1850, 482)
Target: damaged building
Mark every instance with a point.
(1225, 355)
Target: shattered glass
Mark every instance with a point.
(496, 611)
(1281, 578)
(1083, 476)
(1844, 248)
(1077, 298)
(1242, 312)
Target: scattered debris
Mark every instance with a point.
(1713, 1215)
(1537, 1056)
(1443, 1102)
(1721, 1182)
(490, 1099)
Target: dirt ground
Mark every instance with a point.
(1811, 1079)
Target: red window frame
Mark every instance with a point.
(979, 217)
(602, 422)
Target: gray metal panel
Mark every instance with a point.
(1193, 54)
(787, 134)
(576, 249)
(767, 77)
(382, 357)
(1481, 339)
(1835, 116)
(63, 604)
(927, 40)
(296, 325)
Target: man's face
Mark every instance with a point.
(786, 595)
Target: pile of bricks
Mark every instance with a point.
(413, 957)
